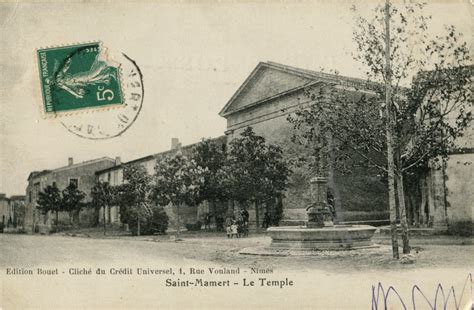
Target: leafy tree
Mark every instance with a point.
(178, 181)
(132, 196)
(102, 198)
(156, 223)
(72, 200)
(429, 77)
(139, 216)
(212, 158)
(429, 100)
(257, 171)
(50, 200)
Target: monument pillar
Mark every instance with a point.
(318, 191)
(318, 213)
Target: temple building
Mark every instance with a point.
(264, 101)
(273, 91)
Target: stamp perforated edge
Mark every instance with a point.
(86, 110)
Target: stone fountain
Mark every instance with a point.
(320, 233)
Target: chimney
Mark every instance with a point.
(118, 161)
(175, 143)
(70, 161)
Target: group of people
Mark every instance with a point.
(238, 227)
(235, 227)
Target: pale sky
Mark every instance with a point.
(193, 58)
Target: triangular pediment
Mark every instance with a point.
(265, 81)
(270, 80)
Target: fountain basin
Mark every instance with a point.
(338, 237)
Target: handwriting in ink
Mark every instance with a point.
(379, 291)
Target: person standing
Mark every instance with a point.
(207, 222)
(266, 220)
(228, 224)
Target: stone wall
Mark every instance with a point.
(450, 194)
(460, 189)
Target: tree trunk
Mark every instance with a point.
(138, 226)
(422, 214)
(78, 218)
(416, 211)
(257, 215)
(57, 220)
(109, 213)
(430, 196)
(96, 217)
(212, 206)
(178, 230)
(403, 214)
(33, 224)
(409, 205)
(105, 224)
(390, 161)
(230, 207)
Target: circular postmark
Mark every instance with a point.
(96, 93)
(112, 123)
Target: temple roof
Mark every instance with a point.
(270, 80)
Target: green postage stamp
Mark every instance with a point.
(90, 77)
(77, 77)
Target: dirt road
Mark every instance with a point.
(203, 273)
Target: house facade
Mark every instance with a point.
(17, 203)
(6, 211)
(188, 214)
(12, 211)
(81, 174)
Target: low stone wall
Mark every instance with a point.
(375, 223)
(298, 216)
(346, 216)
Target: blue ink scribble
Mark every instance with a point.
(397, 300)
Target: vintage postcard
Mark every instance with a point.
(236, 155)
